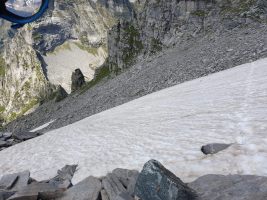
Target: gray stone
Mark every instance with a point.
(3, 144)
(104, 195)
(113, 186)
(8, 181)
(5, 194)
(7, 135)
(124, 196)
(77, 80)
(231, 187)
(128, 178)
(214, 148)
(25, 135)
(63, 179)
(157, 183)
(88, 189)
(22, 181)
(33, 191)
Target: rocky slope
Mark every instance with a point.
(72, 34)
(233, 38)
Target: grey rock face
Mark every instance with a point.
(8, 181)
(77, 80)
(88, 189)
(231, 187)
(214, 148)
(157, 183)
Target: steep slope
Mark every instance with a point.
(39, 50)
(170, 125)
(185, 62)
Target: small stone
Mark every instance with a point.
(214, 148)
(22, 136)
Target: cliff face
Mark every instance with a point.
(161, 24)
(72, 34)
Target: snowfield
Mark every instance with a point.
(170, 125)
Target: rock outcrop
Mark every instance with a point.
(77, 80)
(34, 56)
(165, 23)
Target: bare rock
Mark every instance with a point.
(22, 181)
(8, 181)
(77, 80)
(104, 195)
(113, 186)
(4, 194)
(231, 187)
(64, 177)
(88, 189)
(157, 183)
(214, 148)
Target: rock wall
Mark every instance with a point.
(164, 23)
(24, 68)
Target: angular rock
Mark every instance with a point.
(214, 148)
(231, 187)
(8, 181)
(157, 183)
(88, 189)
(77, 80)
(63, 179)
(104, 195)
(5, 194)
(128, 178)
(22, 181)
(3, 144)
(44, 191)
(124, 196)
(113, 186)
(7, 135)
(25, 135)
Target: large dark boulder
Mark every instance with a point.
(157, 183)
(231, 187)
(77, 80)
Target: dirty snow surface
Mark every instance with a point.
(169, 125)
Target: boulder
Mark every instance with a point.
(128, 178)
(8, 181)
(157, 183)
(22, 136)
(4, 194)
(231, 187)
(77, 80)
(64, 177)
(3, 144)
(34, 191)
(113, 186)
(214, 148)
(124, 196)
(88, 189)
(22, 181)
(104, 195)
(7, 135)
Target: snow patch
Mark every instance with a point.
(170, 126)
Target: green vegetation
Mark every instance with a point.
(155, 45)
(199, 13)
(91, 50)
(2, 67)
(101, 73)
(134, 45)
(2, 109)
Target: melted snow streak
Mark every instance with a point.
(169, 125)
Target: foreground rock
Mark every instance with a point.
(157, 183)
(231, 187)
(77, 80)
